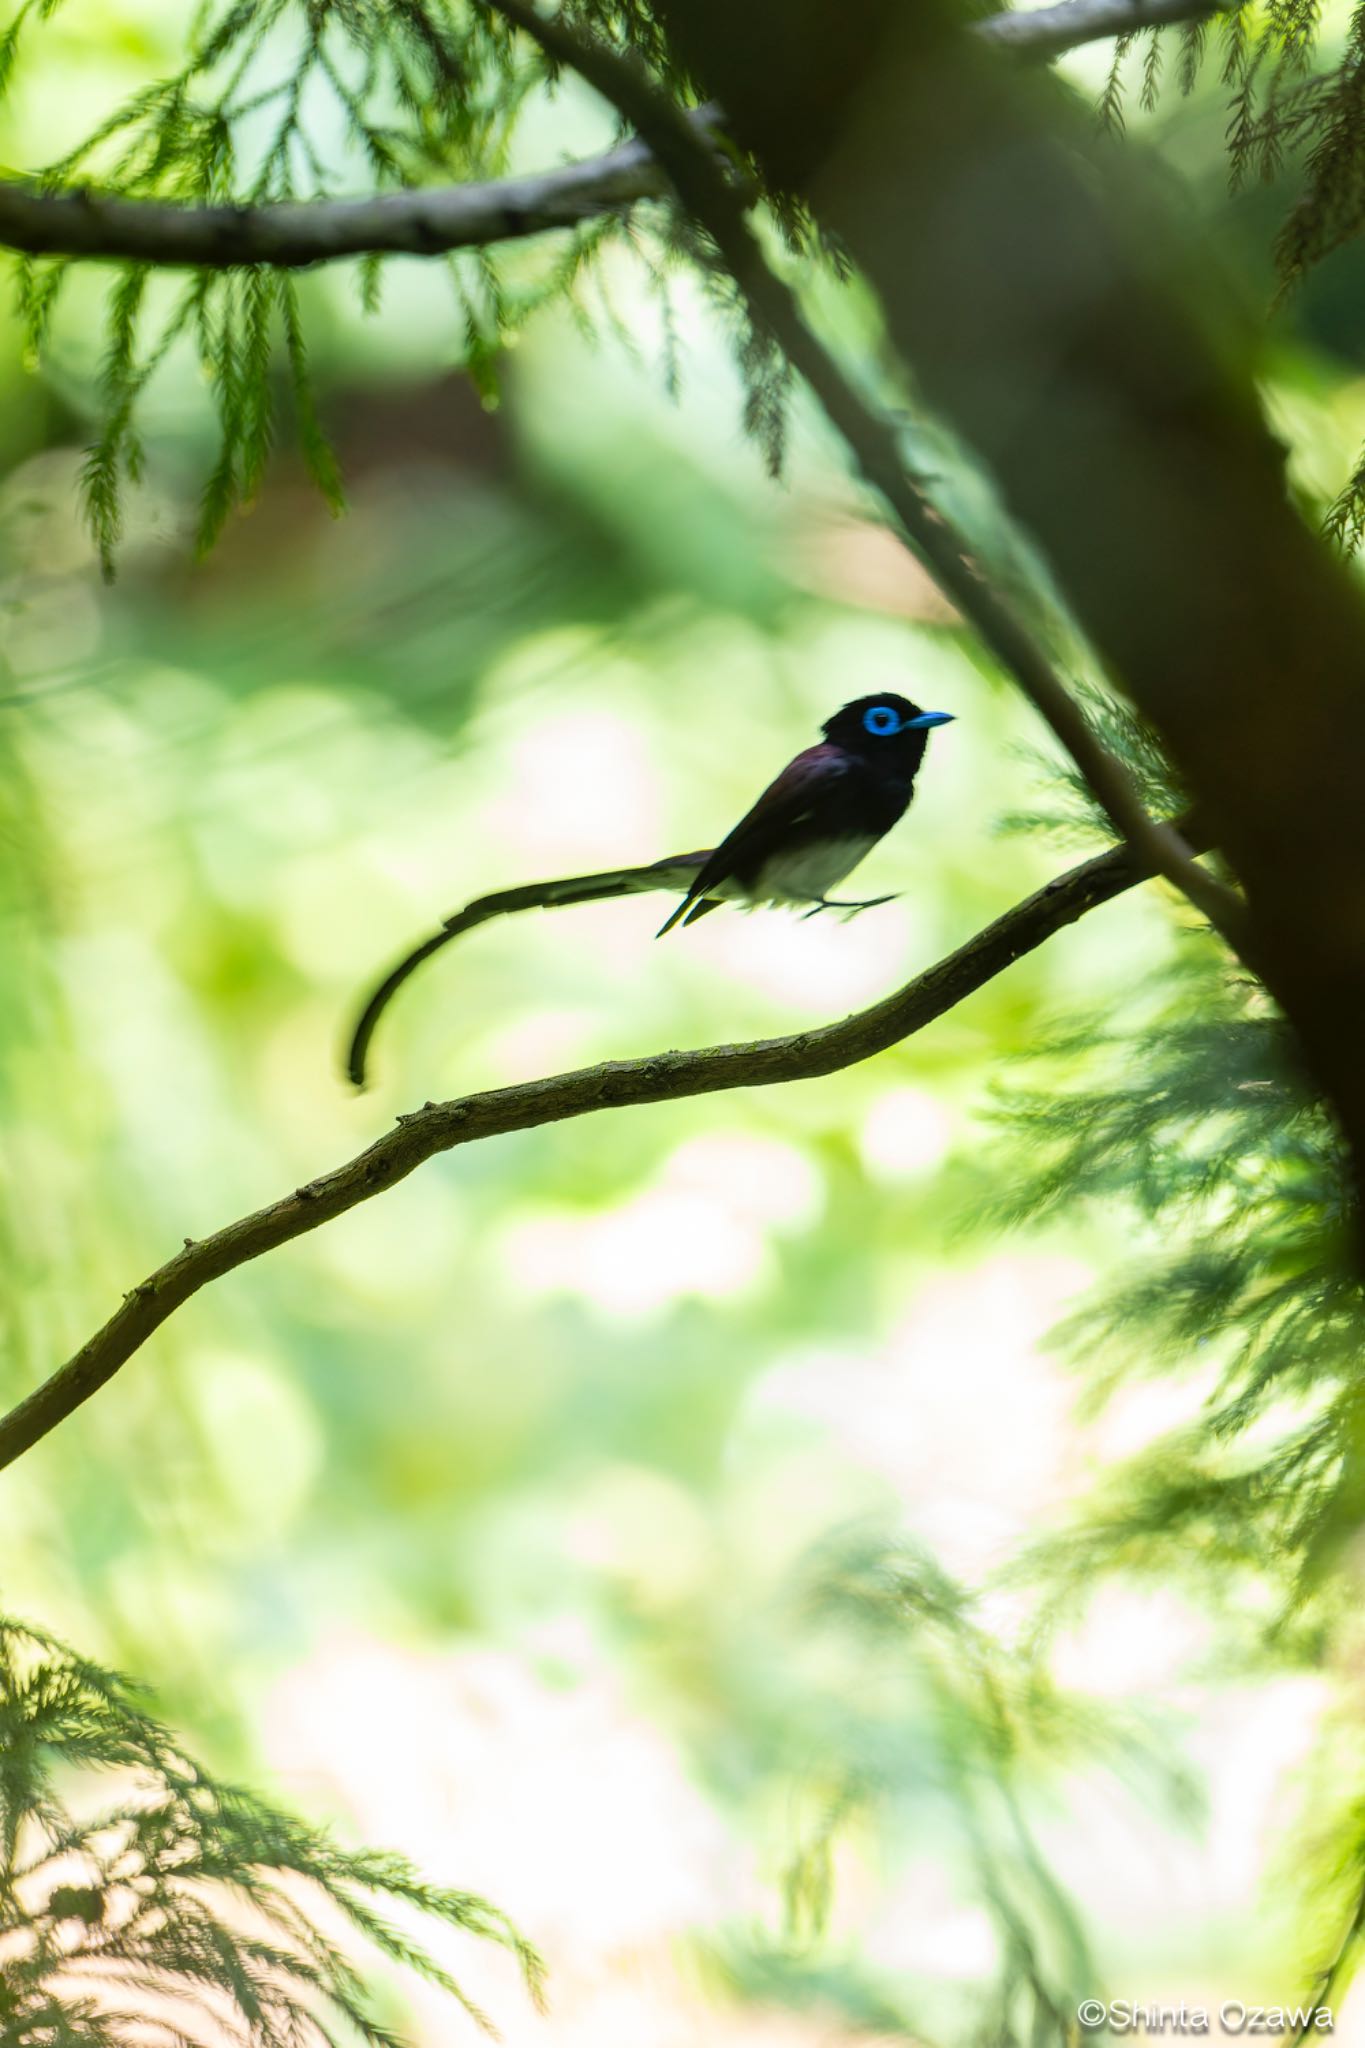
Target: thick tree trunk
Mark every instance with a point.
(1050, 305)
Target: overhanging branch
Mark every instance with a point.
(424, 221)
(1046, 32)
(617, 1084)
(86, 224)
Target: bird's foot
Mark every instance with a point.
(849, 909)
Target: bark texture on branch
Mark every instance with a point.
(426, 221)
(1058, 314)
(617, 1084)
(1039, 34)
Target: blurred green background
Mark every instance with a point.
(484, 1521)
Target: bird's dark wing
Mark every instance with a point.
(673, 873)
(798, 795)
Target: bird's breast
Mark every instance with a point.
(806, 873)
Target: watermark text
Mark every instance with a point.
(1133, 2016)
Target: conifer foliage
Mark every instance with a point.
(1193, 1116)
(143, 1901)
(411, 91)
(280, 100)
(284, 100)
(1296, 110)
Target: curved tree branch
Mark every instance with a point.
(433, 220)
(616, 1084)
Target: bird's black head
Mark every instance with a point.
(885, 730)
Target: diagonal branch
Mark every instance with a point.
(433, 220)
(616, 1084)
(719, 209)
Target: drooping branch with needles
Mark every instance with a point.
(436, 219)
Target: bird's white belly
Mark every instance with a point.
(808, 873)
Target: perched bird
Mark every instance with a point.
(824, 813)
(809, 829)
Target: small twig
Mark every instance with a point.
(617, 1084)
(712, 200)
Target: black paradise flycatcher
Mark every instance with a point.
(810, 828)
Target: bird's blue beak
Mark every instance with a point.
(927, 718)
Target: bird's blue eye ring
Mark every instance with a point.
(881, 720)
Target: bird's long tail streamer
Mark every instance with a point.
(675, 872)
